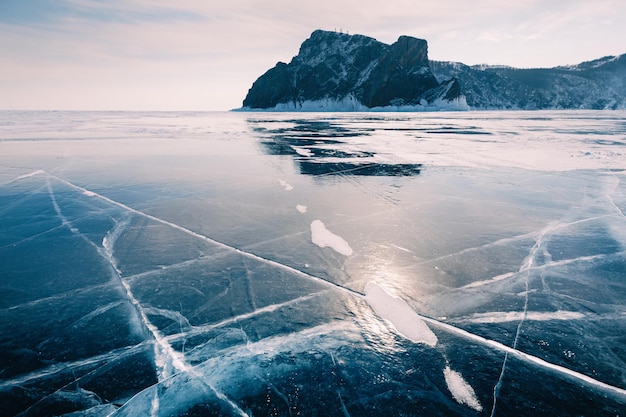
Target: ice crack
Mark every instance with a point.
(508, 350)
(213, 241)
(524, 268)
(167, 359)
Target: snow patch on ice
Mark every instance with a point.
(399, 314)
(462, 392)
(31, 174)
(322, 237)
(285, 185)
(301, 208)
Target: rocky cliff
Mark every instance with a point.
(337, 71)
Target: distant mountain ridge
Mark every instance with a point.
(342, 72)
(599, 84)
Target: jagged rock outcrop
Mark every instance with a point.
(598, 84)
(337, 71)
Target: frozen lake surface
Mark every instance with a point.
(318, 264)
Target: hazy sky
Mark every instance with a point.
(205, 54)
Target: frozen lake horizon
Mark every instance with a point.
(349, 264)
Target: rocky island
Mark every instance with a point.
(336, 71)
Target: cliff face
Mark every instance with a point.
(340, 68)
(401, 75)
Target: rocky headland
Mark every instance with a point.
(336, 71)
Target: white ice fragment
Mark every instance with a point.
(462, 392)
(399, 314)
(322, 237)
(30, 174)
(285, 185)
(301, 208)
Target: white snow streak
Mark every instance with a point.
(508, 316)
(30, 174)
(489, 281)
